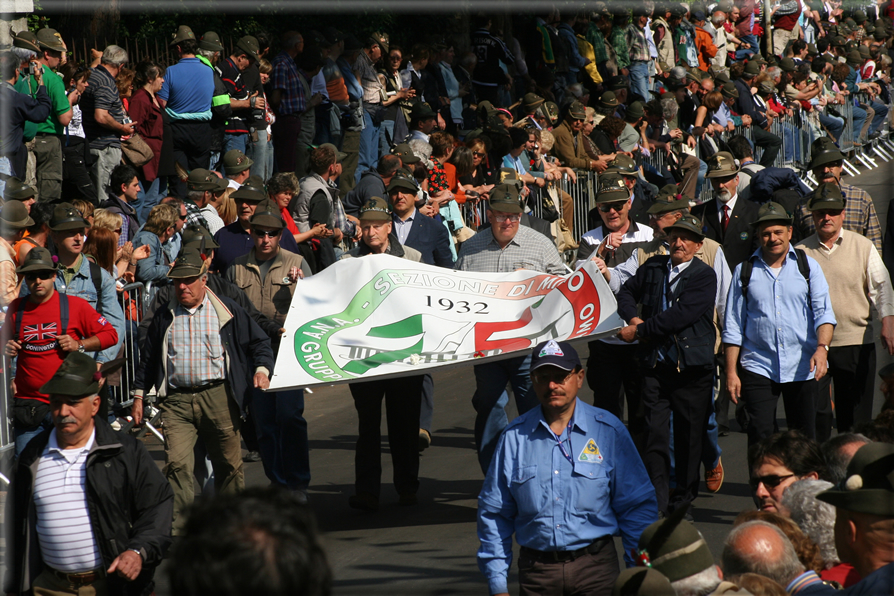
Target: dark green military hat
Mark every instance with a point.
(14, 216)
(422, 111)
(531, 101)
(607, 101)
(674, 547)
(375, 209)
(642, 581)
(551, 111)
(49, 39)
(823, 151)
(202, 179)
(689, 223)
(16, 190)
(210, 42)
(183, 33)
(249, 45)
(235, 161)
(406, 155)
(868, 485)
(767, 87)
(76, 377)
(721, 77)
(197, 236)
(577, 110)
(788, 65)
(611, 189)
(634, 111)
(267, 214)
(505, 198)
(729, 90)
(26, 40)
(669, 199)
(403, 180)
(827, 195)
(66, 217)
(37, 259)
(510, 176)
(722, 165)
(190, 262)
(250, 192)
(624, 165)
(772, 212)
(752, 68)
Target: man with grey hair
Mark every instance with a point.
(760, 547)
(838, 452)
(104, 118)
(815, 518)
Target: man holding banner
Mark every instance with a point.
(503, 248)
(402, 395)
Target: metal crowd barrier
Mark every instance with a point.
(134, 299)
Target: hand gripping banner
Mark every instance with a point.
(380, 316)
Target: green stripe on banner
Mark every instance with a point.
(359, 367)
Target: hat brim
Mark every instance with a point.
(658, 208)
(184, 271)
(399, 183)
(686, 228)
(266, 221)
(248, 51)
(68, 388)
(25, 44)
(550, 361)
(875, 501)
(722, 174)
(374, 216)
(413, 158)
(210, 46)
(36, 267)
(786, 221)
(17, 225)
(69, 224)
(826, 157)
(248, 196)
(830, 205)
(249, 162)
(612, 196)
(210, 243)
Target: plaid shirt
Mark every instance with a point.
(285, 77)
(195, 352)
(618, 39)
(194, 215)
(859, 216)
(637, 44)
(597, 40)
(365, 71)
(528, 250)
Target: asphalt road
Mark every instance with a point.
(429, 549)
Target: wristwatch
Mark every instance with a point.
(823, 346)
(81, 347)
(136, 550)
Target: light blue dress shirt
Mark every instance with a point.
(552, 504)
(776, 328)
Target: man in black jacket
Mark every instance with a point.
(676, 334)
(204, 355)
(117, 512)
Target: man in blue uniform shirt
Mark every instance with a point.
(564, 479)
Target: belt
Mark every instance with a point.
(565, 556)
(47, 134)
(198, 388)
(78, 579)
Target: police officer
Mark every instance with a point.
(565, 477)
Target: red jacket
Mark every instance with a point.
(150, 126)
(704, 45)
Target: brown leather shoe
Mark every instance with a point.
(714, 478)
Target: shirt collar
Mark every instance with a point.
(400, 220)
(791, 255)
(731, 203)
(578, 419)
(53, 444)
(514, 240)
(679, 268)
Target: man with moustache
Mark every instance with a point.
(669, 303)
(413, 228)
(859, 212)
(777, 329)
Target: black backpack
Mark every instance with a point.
(803, 267)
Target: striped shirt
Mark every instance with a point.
(64, 531)
(195, 352)
(101, 94)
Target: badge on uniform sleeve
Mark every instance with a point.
(743, 236)
(590, 453)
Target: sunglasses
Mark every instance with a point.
(504, 218)
(478, 154)
(268, 233)
(769, 481)
(183, 217)
(543, 377)
(38, 275)
(612, 206)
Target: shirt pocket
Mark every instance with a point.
(526, 490)
(589, 489)
(282, 295)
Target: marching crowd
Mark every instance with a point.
(225, 178)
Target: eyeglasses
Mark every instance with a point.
(268, 233)
(478, 154)
(118, 231)
(543, 377)
(38, 275)
(183, 217)
(504, 218)
(769, 481)
(612, 206)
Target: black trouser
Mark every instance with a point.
(613, 371)
(427, 409)
(770, 143)
(76, 178)
(852, 370)
(402, 399)
(192, 149)
(761, 395)
(488, 93)
(688, 394)
(594, 572)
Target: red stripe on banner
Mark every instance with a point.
(580, 291)
(484, 331)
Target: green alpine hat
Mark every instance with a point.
(766, 87)
(752, 69)
(669, 199)
(183, 33)
(14, 216)
(211, 42)
(674, 547)
(826, 196)
(404, 181)
(577, 111)
(505, 198)
(772, 212)
(267, 214)
(193, 236)
(868, 486)
(729, 90)
(607, 101)
(722, 165)
(249, 45)
(624, 165)
(406, 155)
(235, 162)
(202, 179)
(854, 58)
(381, 39)
(689, 223)
(823, 151)
(66, 217)
(634, 111)
(375, 209)
(788, 65)
(26, 40)
(76, 377)
(339, 156)
(722, 78)
(759, 59)
(16, 190)
(612, 189)
(642, 581)
(250, 192)
(422, 111)
(531, 101)
(190, 262)
(37, 259)
(49, 39)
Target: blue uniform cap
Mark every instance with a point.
(554, 353)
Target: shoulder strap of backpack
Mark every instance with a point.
(20, 311)
(63, 313)
(804, 268)
(745, 276)
(96, 277)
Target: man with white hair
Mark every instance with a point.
(760, 547)
(105, 120)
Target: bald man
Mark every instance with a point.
(760, 547)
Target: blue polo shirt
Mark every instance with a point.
(188, 89)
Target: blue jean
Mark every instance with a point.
(386, 137)
(639, 79)
(239, 142)
(23, 437)
(5, 168)
(881, 110)
(746, 52)
(262, 154)
(491, 398)
(702, 170)
(282, 437)
(834, 125)
(149, 197)
(369, 147)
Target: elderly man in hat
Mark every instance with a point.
(269, 275)
(502, 248)
(16, 190)
(858, 281)
(21, 109)
(677, 293)
(412, 227)
(201, 186)
(48, 135)
(33, 333)
(242, 99)
(237, 168)
(564, 449)
(116, 505)
(235, 239)
(569, 146)
(826, 163)
(205, 356)
(14, 219)
(769, 349)
(530, 103)
(194, 97)
(402, 396)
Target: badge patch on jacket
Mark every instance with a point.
(590, 453)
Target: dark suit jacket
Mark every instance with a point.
(430, 238)
(739, 242)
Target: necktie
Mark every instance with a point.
(725, 221)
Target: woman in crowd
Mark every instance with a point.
(126, 257)
(481, 178)
(281, 189)
(159, 229)
(76, 179)
(145, 110)
(398, 104)
(263, 148)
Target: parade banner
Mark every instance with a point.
(381, 316)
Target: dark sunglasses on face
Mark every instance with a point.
(478, 154)
(769, 481)
(38, 275)
(268, 233)
(608, 207)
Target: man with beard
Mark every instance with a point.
(859, 213)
